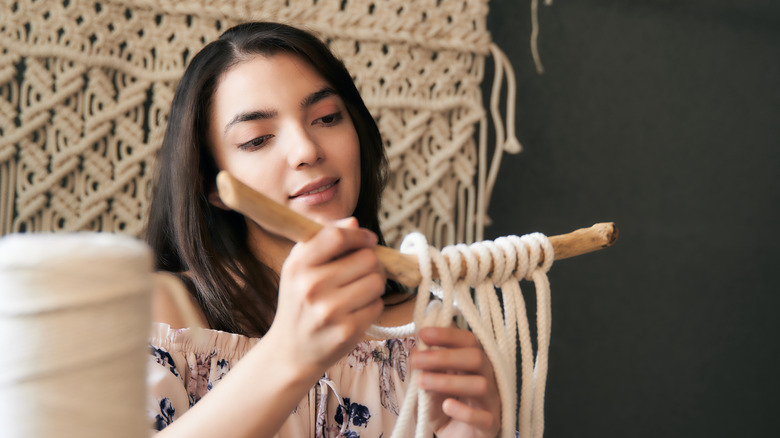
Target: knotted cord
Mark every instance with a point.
(497, 324)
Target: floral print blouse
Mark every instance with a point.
(358, 396)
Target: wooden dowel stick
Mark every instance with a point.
(402, 268)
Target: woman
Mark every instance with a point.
(270, 104)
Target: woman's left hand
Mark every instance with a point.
(459, 377)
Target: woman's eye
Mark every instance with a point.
(329, 120)
(255, 143)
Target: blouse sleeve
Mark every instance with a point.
(183, 367)
(167, 397)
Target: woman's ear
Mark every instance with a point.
(215, 200)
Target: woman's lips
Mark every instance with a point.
(321, 189)
(318, 192)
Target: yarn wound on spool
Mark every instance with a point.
(74, 320)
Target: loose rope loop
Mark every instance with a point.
(497, 324)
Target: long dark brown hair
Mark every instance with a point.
(237, 293)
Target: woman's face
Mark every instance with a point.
(280, 128)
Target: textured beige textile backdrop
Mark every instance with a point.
(85, 88)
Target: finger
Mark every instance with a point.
(458, 385)
(369, 313)
(347, 222)
(361, 292)
(450, 337)
(352, 267)
(331, 243)
(454, 359)
(359, 320)
(459, 411)
(331, 305)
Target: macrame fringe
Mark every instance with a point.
(505, 138)
(504, 143)
(497, 328)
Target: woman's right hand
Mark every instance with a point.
(330, 292)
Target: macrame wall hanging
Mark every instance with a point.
(85, 88)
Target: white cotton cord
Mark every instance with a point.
(495, 346)
(490, 347)
(538, 245)
(505, 321)
(446, 287)
(401, 331)
(424, 402)
(481, 325)
(545, 247)
(74, 322)
(436, 314)
(509, 143)
(497, 328)
(413, 243)
(543, 324)
(324, 385)
(488, 251)
(493, 321)
(526, 366)
(511, 288)
(504, 256)
(405, 420)
(535, 34)
(504, 143)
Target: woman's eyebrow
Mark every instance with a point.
(307, 101)
(250, 116)
(318, 96)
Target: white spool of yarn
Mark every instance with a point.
(74, 319)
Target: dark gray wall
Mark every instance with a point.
(663, 116)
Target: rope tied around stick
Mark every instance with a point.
(497, 325)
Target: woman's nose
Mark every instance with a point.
(303, 150)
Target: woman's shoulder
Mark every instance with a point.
(173, 302)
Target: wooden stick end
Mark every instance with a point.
(610, 233)
(226, 189)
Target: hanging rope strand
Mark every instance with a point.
(502, 263)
